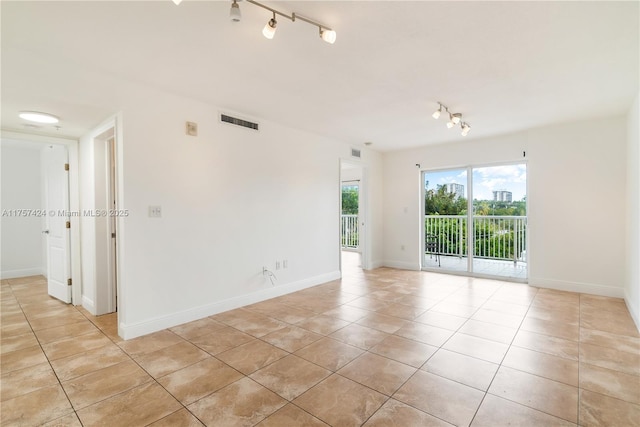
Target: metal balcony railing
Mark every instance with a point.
(495, 237)
(349, 232)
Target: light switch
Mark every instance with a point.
(155, 212)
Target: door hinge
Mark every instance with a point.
(66, 166)
(68, 282)
(68, 225)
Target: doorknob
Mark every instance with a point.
(45, 232)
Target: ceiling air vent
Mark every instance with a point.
(238, 122)
(355, 153)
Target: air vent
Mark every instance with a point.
(355, 153)
(238, 122)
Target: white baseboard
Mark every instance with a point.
(584, 288)
(633, 308)
(376, 264)
(89, 305)
(12, 274)
(128, 331)
(401, 265)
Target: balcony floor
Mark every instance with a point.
(489, 267)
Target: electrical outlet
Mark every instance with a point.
(277, 265)
(402, 247)
(285, 264)
(155, 212)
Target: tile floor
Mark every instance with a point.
(379, 348)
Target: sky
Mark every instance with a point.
(485, 180)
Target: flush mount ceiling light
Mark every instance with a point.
(326, 34)
(454, 119)
(38, 117)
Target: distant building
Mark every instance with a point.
(457, 189)
(502, 196)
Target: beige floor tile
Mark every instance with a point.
(23, 381)
(489, 331)
(170, 359)
(290, 376)
(181, 418)
(506, 307)
(9, 330)
(549, 327)
(139, 406)
(35, 408)
(243, 403)
(290, 314)
(47, 322)
(600, 410)
(610, 358)
(48, 335)
(19, 359)
(347, 312)
(69, 346)
(547, 344)
(453, 309)
(570, 317)
(197, 328)
(382, 322)
(402, 311)
(329, 353)
(495, 411)
(90, 361)
(377, 372)
(221, 340)
(441, 320)
(403, 350)
(359, 336)
(606, 339)
(291, 415)
(368, 303)
(291, 338)
(467, 370)
(17, 342)
(445, 399)
(199, 380)
(498, 318)
(99, 385)
(339, 401)
(619, 322)
(480, 348)
(150, 343)
(612, 383)
(426, 334)
(250, 357)
(544, 365)
(551, 397)
(323, 325)
(397, 414)
(70, 420)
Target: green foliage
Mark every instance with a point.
(349, 200)
(441, 202)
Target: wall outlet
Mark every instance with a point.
(191, 128)
(285, 264)
(402, 247)
(155, 212)
(277, 265)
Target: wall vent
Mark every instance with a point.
(224, 118)
(355, 153)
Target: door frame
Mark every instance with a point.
(364, 213)
(74, 202)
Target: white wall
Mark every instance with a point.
(632, 288)
(576, 180)
(21, 189)
(233, 201)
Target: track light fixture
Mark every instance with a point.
(234, 14)
(454, 119)
(269, 30)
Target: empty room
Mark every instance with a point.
(320, 213)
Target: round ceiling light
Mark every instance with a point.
(38, 117)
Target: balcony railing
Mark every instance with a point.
(495, 237)
(349, 232)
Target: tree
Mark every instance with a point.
(442, 202)
(349, 200)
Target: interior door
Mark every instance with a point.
(57, 206)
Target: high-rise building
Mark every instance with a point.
(457, 189)
(502, 196)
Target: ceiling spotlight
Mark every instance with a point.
(436, 115)
(234, 14)
(269, 29)
(37, 117)
(450, 124)
(455, 118)
(177, 2)
(328, 35)
(465, 129)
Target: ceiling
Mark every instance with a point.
(506, 66)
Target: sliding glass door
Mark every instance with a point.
(476, 221)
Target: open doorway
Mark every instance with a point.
(352, 245)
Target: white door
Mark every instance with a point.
(57, 205)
